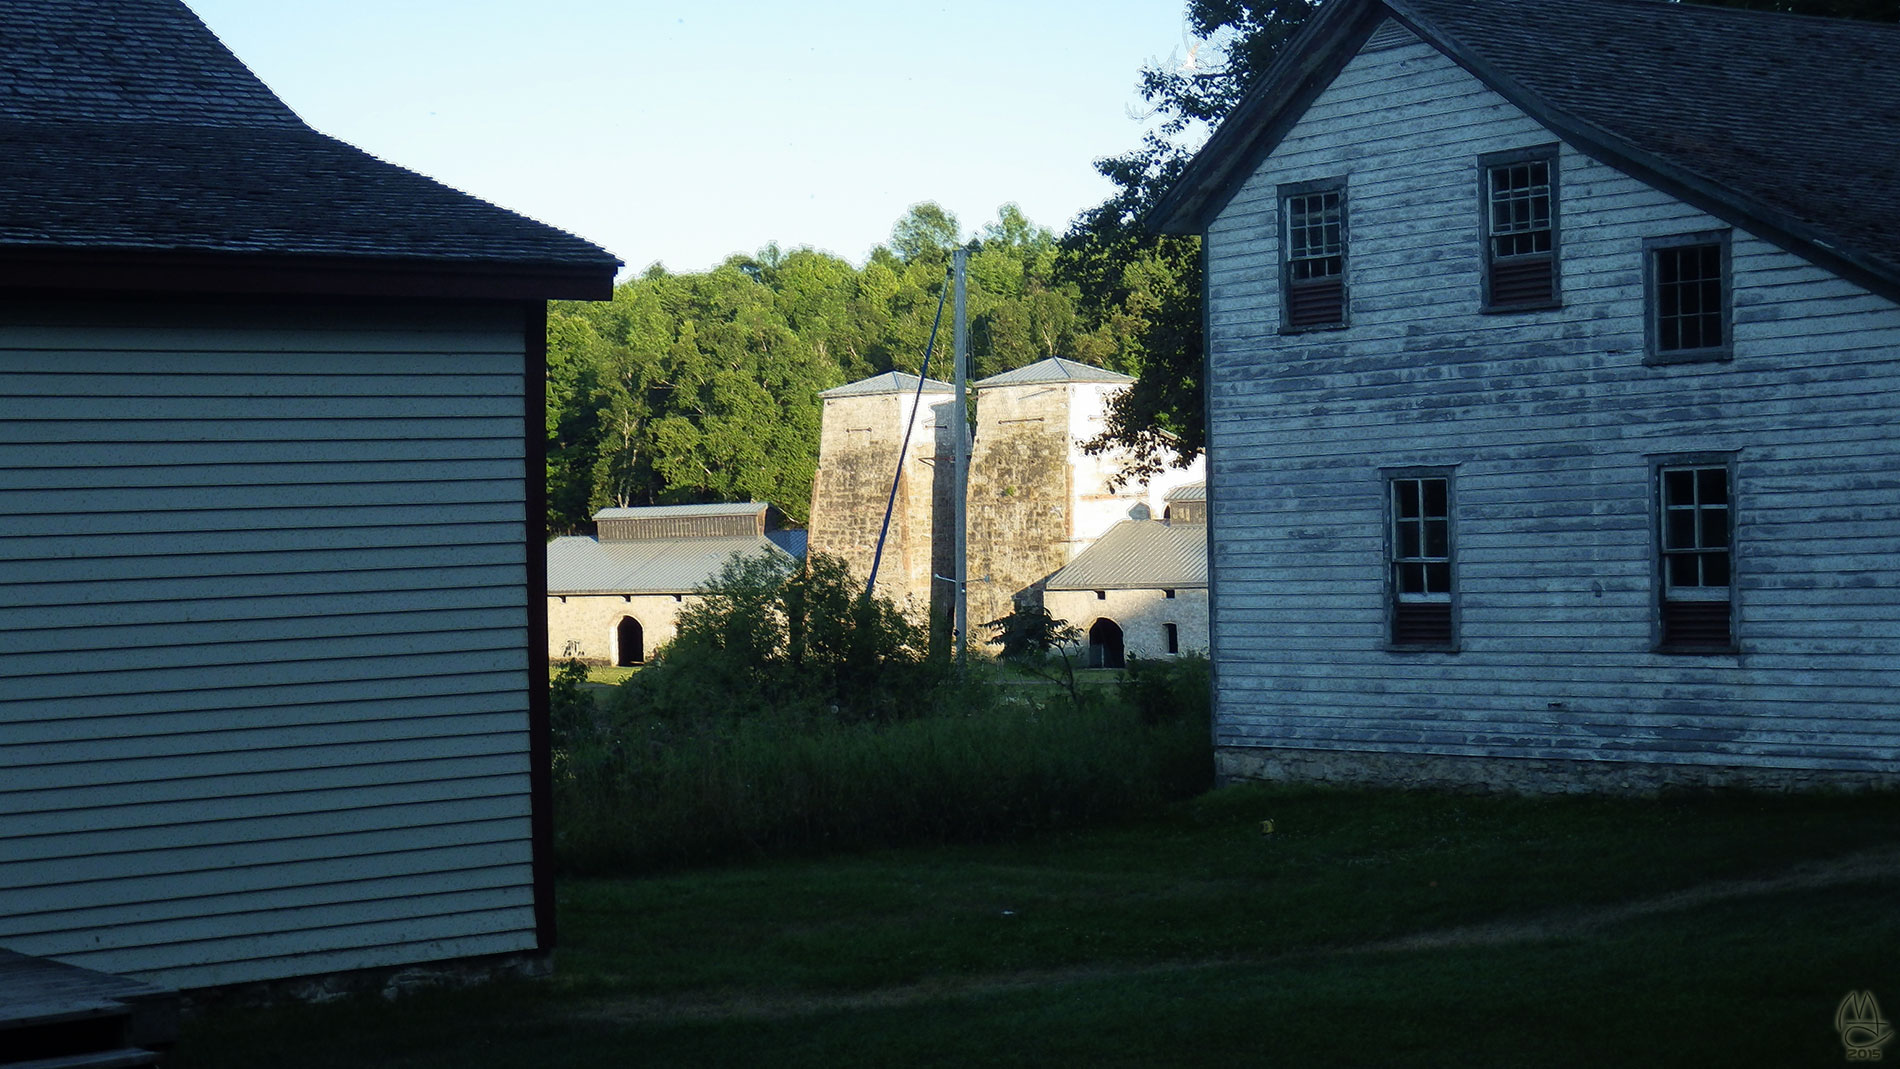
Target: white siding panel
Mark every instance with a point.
(1550, 420)
(263, 638)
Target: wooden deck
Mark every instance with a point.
(59, 1016)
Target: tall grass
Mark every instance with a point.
(978, 761)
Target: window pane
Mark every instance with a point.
(1438, 578)
(1714, 527)
(1678, 487)
(1405, 499)
(1679, 529)
(1411, 578)
(1437, 538)
(1712, 486)
(1715, 569)
(1437, 495)
(1408, 540)
(1682, 570)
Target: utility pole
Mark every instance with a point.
(960, 429)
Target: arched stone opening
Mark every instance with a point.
(1105, 644)
(630, 644)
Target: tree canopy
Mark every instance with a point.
(688, 388)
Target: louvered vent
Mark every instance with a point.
(1316, 303)
(1522, 280)
(1421, 624)
(1696, 625)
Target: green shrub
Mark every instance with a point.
(1165, 690)
(769, 634)
(793, 715)
(976, 762)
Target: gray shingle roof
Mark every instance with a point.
(889, 382)
(578, 564)
(1786, 125)
(126, 124)
(1138, 554)
(1054, 369)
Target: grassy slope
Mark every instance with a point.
(1193, 940)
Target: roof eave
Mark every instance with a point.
(1308, 63)
(1711, 196)
(165, 271)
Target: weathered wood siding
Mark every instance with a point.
(263, 640)
(1548, 420)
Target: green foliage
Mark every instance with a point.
(799, 639)
(1140, 292)
(1030, 634)
(1169, 690)
(970, 762)
(704, 387)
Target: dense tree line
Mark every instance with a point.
(704, 387)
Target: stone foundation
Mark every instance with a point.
(1511, 775)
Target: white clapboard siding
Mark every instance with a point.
(263, 638)
(1549, 420)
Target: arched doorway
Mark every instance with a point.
(1105, 644)
(632, 642)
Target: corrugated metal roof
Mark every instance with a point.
(1054, 369)
(1188, 492)
(1138, 554)
(578, 564)
(674, 512)
(889, 382)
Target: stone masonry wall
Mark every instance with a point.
(1520, 775)
(857, 453)
(1020, 497)
(1141, 614)
(584, 627)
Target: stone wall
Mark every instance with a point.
(1508, 775)
(1141, 614)
(1020, 503)
(585, 627)
(857, 456)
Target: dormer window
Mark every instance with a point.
(1314, 267)
(1520, 229)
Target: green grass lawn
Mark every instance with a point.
(1197, 940)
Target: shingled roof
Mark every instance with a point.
(135, 148)
(1785, 125)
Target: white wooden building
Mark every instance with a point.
(1553, 378)
(272, 696)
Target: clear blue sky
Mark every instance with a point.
(682, 133)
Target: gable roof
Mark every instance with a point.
(1786, 125)
(1138, 555)
(136, 151)
(889, 382)
(1053, 369)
